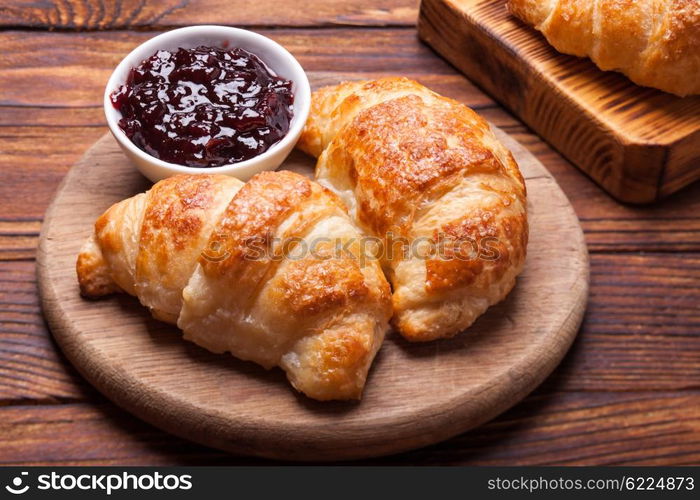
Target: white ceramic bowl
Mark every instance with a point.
(272, 53)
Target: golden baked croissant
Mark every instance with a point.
(656, 43)
(250, 269)
(427, 175)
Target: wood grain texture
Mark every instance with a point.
(556, 428)
(120, 14)
(639, 144)
(80, 63)
(416, 394)
(31, 366)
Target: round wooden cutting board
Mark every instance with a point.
(416, 394)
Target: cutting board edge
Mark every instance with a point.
(644, 171)
(249, 437)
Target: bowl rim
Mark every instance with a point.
(302, 96)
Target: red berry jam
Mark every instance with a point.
(204, 107)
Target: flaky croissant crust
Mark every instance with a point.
(656, 43)
(410, 163)
(208, 253)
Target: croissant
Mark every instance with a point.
(656, 43)
(249, 269)
(426, 176)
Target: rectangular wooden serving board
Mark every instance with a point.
(638, 143)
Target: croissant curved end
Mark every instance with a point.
(93, 273)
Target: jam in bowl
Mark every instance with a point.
(208, 99)
(205, 106)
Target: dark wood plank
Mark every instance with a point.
(556, 428)
(639, 332)
(18, 238)
(599, 428)
(126, 14)
(33, 161)
(31, 365)
(75, 70)
(641, 326)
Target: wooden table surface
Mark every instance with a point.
(627, 393)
